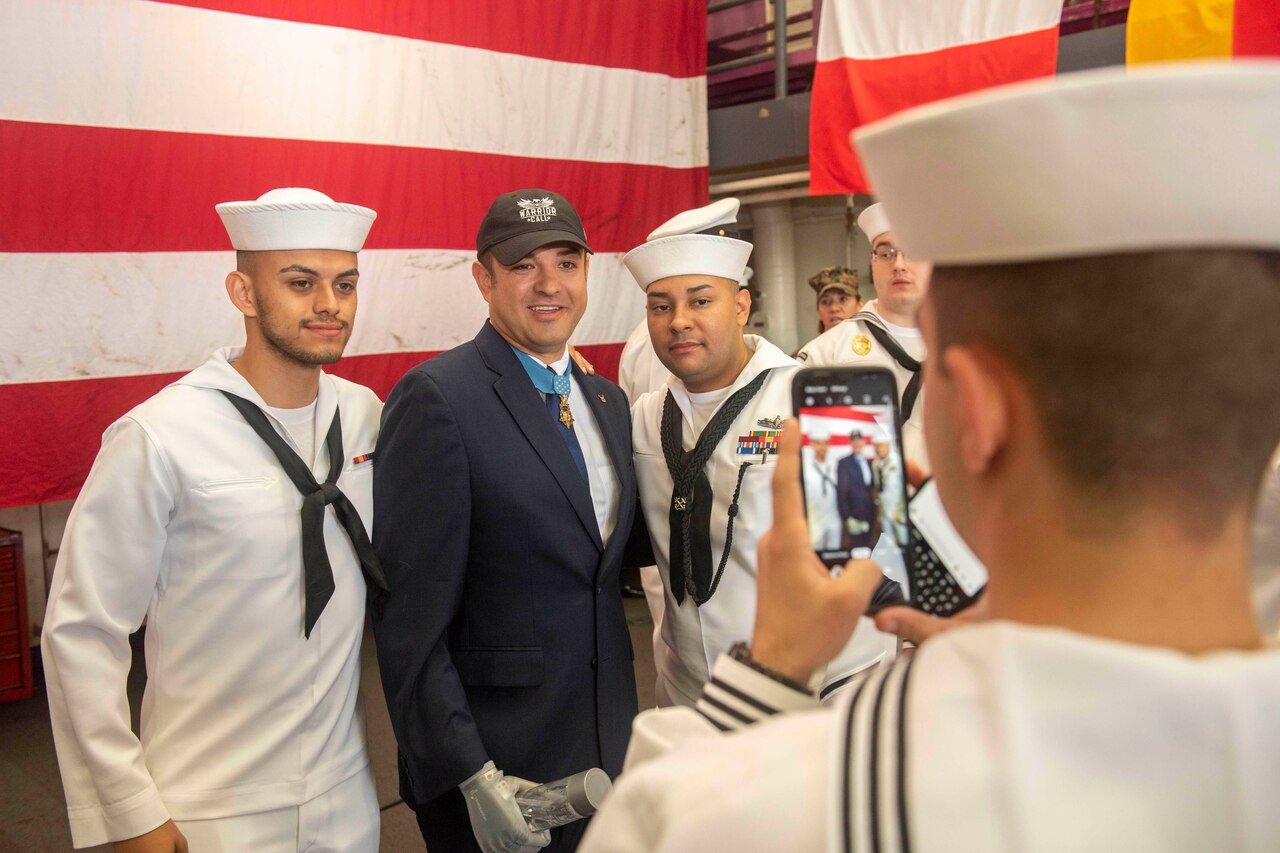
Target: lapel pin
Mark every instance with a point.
(602, 399)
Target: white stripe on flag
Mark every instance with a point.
(119, 314)
(156, 66)
(877, 29)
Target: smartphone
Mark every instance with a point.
(946, 576)
(854, 476)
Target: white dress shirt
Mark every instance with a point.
(606, 489)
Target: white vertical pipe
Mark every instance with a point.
(774, 261)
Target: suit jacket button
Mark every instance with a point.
(599, 590)
(594, 662)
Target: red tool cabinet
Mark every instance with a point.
(15, 647)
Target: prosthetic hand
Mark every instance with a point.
(496, 820)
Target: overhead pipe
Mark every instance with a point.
(782, 179)
(779, 49)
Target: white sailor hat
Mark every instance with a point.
(295, 218)
(1092, 163)
(874, 221)
(703, 241)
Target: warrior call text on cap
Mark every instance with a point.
(520, 222)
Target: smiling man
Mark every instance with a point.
(252, 728)
(886, 332)
(505, 494)
(705, 444)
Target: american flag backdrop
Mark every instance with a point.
(123, 122)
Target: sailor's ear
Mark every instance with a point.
(240, 291)
(980, 405)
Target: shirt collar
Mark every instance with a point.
(763, 355)
(537, 369)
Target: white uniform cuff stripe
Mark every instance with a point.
(756, 687)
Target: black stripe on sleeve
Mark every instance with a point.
(837, 684)
(903, 835)
(712, 720)
(847, 786)
(873, 769)
(742, 697)
(721, 706)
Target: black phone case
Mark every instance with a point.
(933, 589)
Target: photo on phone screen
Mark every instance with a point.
(852, 467)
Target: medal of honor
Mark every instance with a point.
(566, 416)
(861, 344)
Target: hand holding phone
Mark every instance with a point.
(855, 482)
(804, 615)
(853, 472)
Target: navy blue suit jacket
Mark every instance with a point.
(854, 497)
(504, 635)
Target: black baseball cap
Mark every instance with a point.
(521, 221)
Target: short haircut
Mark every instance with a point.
(1148, 394)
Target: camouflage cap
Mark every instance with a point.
(835, 278)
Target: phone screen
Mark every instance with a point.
(852, 467)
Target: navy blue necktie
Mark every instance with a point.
(556, 403)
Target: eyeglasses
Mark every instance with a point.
(887, 254)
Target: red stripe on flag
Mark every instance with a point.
(848, 93)
(1256, 28)
(51, 431)
(844, 413)
(835, 441)
(70, 188)
(663, 36)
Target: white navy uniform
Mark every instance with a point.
(989, 751)
(849, 342)
(821, 507)
(639, 372)
(696, 635)
(188, 520)
(893, 513)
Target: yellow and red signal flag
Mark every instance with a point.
(1162, 30)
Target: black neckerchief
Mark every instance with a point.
(691, 496)
(875, 326)
(317, 572)
(826, 478)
